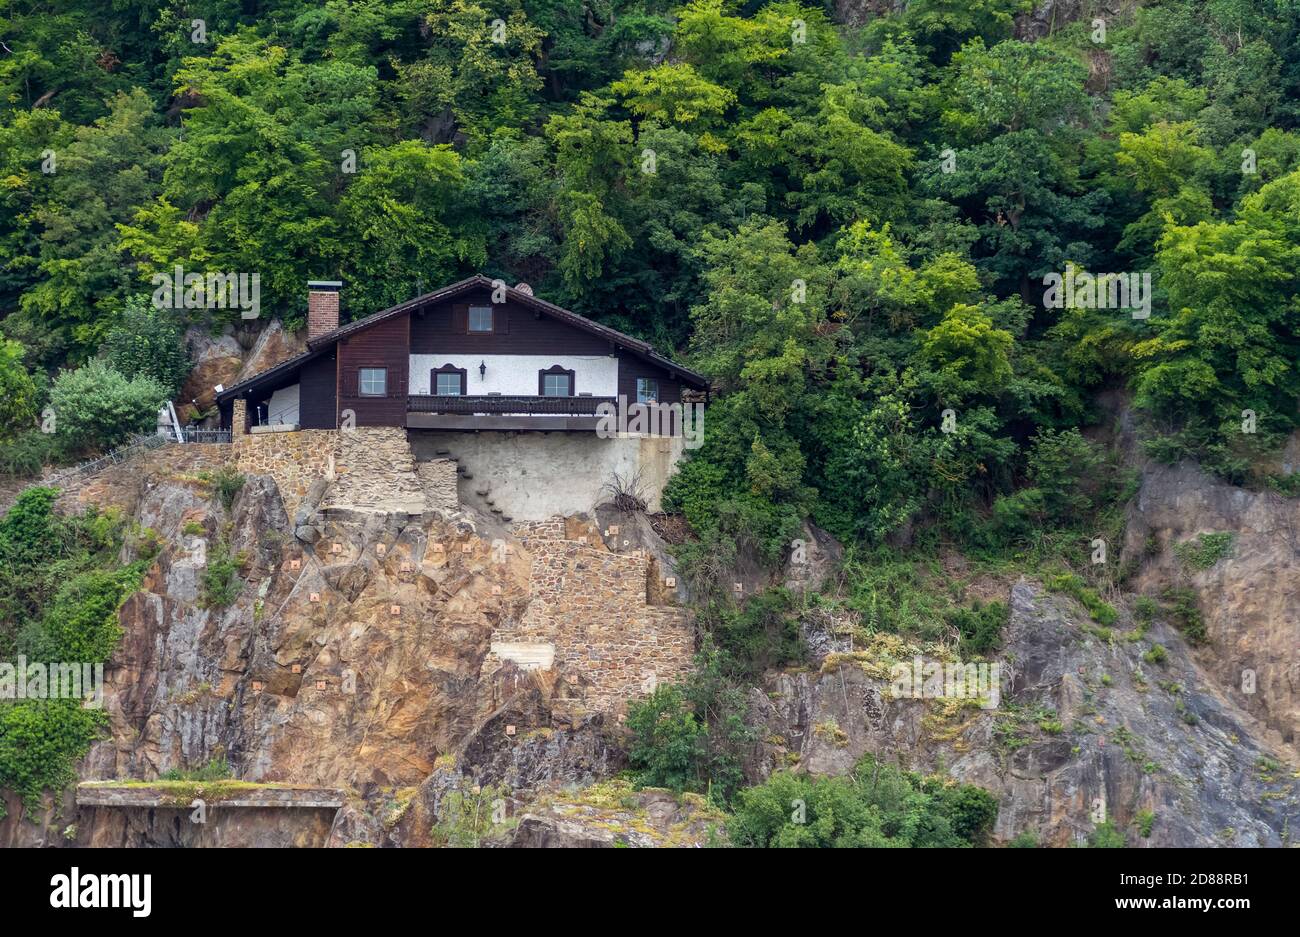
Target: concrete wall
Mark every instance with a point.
(532, 476)
(516, 375)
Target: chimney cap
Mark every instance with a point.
(325, 286)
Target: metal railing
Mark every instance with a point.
(194, 434)
(118, 455)
(530, 406)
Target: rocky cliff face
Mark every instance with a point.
(353, 662)
(360, 660)
(1088, 728)
(1249, 600)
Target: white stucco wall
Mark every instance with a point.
(283, 407)
(516, 375)
(533, 476)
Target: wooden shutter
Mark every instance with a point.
(460, 319)
(501, 319)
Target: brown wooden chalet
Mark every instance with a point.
(455, 360)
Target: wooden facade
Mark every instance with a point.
(448, 331)
(385, 345)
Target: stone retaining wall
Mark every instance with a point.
(294, 460)
(590, 605)
(439, 481)
(376, 472)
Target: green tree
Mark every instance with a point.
(147, 342)
(96, 407)
(18, 392)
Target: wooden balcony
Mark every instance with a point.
(493, 412)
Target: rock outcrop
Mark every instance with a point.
(355, 658)
(1248, 600)
(1092, 724)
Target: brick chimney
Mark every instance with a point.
(322, 307)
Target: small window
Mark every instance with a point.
(556, 385)
(448, 384)
(480, 318)
(647, 390)
(373, 382)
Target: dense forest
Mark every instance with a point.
(884, 236)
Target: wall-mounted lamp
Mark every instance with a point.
(482, 370)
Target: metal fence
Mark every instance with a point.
(118, 455)
(194, 434)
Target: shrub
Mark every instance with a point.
(60, 589)
(1106, 836)
(96, 407)
(1206, 550)
(41, 742)
(1146, 820)
(979, 627)
(667, 738)
(1073, 585)
(694, 736)
(879, 805)
(1184, 612)
(761, 634)
(221, 582)
(228, 483)
(468, 814)
(27, 453)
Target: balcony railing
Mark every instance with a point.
(527, 406)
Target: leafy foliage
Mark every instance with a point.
(60, 589)
(878, 806)
(97, 408)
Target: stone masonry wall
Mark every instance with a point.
(590, 605)
(376, 472)
(294, 460)
(439, 480)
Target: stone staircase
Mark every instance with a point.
(478, 495)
